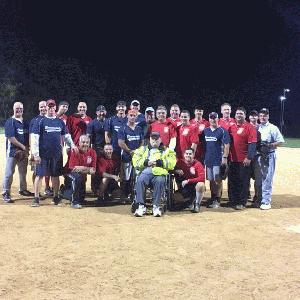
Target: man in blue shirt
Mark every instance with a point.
(113, 125)
(130, 137)
(47, 150)
(217, 142)
(140, 118)
(95, 130)
(271, 138)
(17, 143)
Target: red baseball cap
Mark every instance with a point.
(51, 103)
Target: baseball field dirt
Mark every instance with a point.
(105, 253)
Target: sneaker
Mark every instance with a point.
(100, 202)
(35, 202)
(239, 207)
(56, 200)
(6, 198)
(48, 191)
(265, 206)
(215, 204)
(140, 211)
(77, 206)
(157, 211)
(196, 208)
(26, 193)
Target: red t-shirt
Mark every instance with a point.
(166, 130)
(186, 135)
(110, 166)
(201, 126)
(85, 159)
(64, 118)
(226, 123)
(193, 172)
(77, 126)
(241, 136)
(176, 122)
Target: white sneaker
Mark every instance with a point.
(140, 211)
(156, 211)
(265, 206)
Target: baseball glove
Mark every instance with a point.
(223, 171)
(20, 155)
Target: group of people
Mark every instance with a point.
(150, 145)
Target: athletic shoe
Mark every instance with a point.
(56, 200)
(35, 202)
(140, 211)
(265, 206)
(215, 204)
(26, 193)
(239, 207)
(48, 191)
(77, 206)
(196, 208)
(156, 211)
(6, 198)
(100, 202)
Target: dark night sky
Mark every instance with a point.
(218, 42)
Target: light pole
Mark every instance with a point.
(282, 99)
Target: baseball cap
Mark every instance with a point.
(155, 135)
(135, 102)
(264, 111)
(121, 103)
(253, 113)
(100, 108)
(213, 115)
(149, 108)
(51, 103)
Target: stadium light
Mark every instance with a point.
(282, 99)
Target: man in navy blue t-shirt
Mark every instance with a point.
(47, 150)
(113, 125)
(130, 137)
(217, 142)
(17, 140)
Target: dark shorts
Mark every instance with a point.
(188, 191)
(50, 167)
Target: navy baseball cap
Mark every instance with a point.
(100, 108)
(213, 115)
(155, 135)
(121, 103)
(135, 102)
(264, 111)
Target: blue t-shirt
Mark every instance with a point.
(132, 138)
(113, 125)
(32, 122)
(17, 129)
(214, 139)
(96, 131)
(141, 121)
(50, 131)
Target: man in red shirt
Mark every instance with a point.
(63, 107)
(175, 115)
(187, 135)
(242, 151)
(108, 168)
(165, 128)
(190, 178)
(201, 123)
(226, 121)
(80, 164)
(77, 123)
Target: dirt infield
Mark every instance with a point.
(105, 253)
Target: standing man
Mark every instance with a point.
(150, 118)
(80, 164)
(271, 138)
(242, 151)
(216, 140)
(17, 144)
(63, 107)
(226, 121)
(113, 125)
(190, 178)
(77, 123)
(140, 118)
(153, 162)
(187, 135)
(130, 137)
(175, 115)
(165, 128)
(47, 150)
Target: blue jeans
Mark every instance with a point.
(264, 172)
(145, 179)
